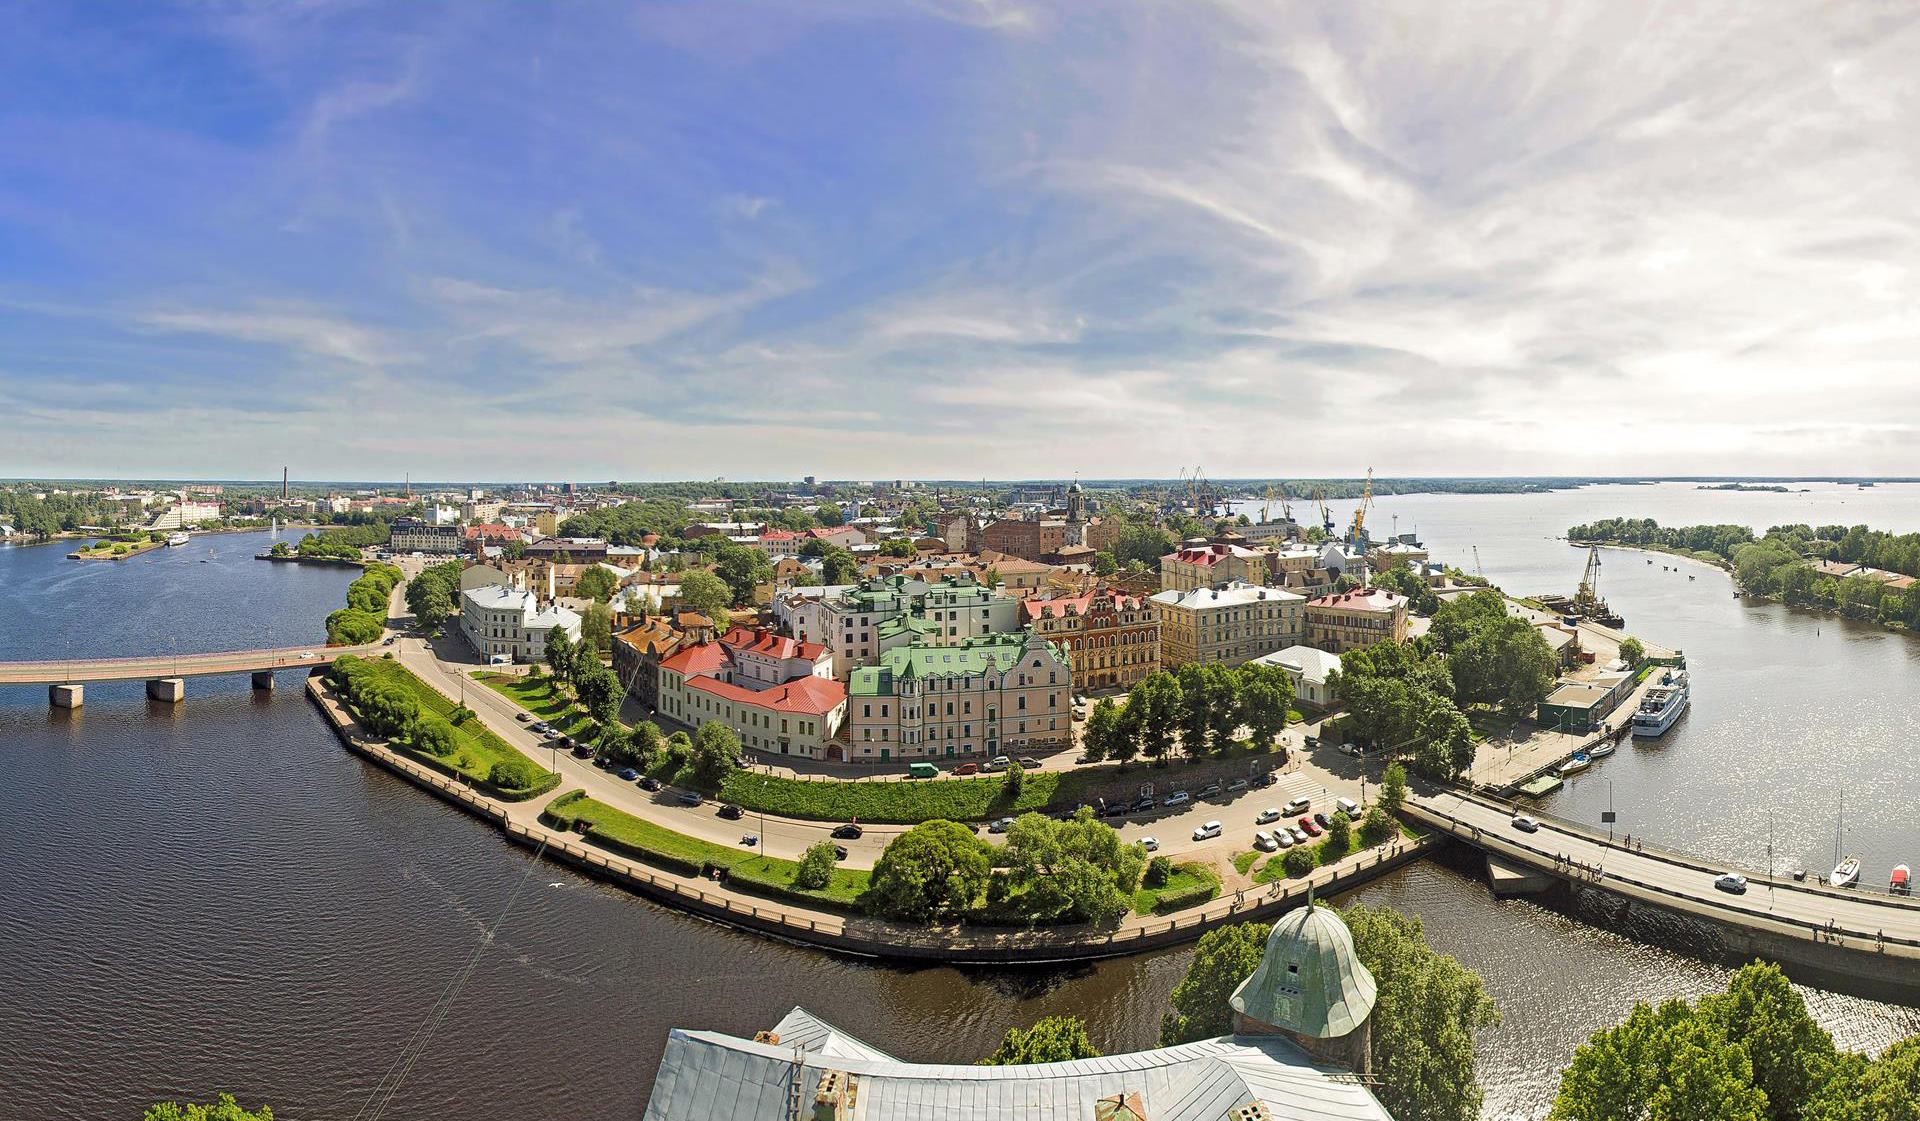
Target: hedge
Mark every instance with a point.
(888, 802)
(1180, 899)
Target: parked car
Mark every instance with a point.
(1150, 843)
(1266, 779)
(1178, 798)
(998, 763)
(1297, 806)
(1117, 809)
(967, 769)
(1352, 749)
(500, 660)
(583, 750)
(628, 774)
(689, 797)
(1732, 882)
(1264, 841)
(731, 812)
(847, 832)
(1029, 762)
(1207, 832)
(1299, 835)
(541, 726)
(1525, 824)
(1001, 826)
(1210, 790)
(649, 783)
(1266, 816)
(1237, 784)
(1322, 820)
(1141, 805)
(1308, 827)
(1349, 807)
(1283, 838)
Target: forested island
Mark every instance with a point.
(1860, 572)
(1762, 488)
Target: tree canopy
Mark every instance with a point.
(1054, 1039)
(936, 870)
(596, 583)
(706, 593)
(1224, 957)
(225, 1108)
(1076, 870)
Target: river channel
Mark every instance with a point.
(215, 895)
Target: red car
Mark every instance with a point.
(967, 769)
(1308, 827)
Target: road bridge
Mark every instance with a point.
(1850, 934)
(165, 674)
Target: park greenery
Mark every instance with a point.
(705, 593)
(434, 595)
(1052, 1039)
(1752, 1053)
(1427, 1010)
(364, 618)
(1781, 564)
(393, 704)
(1048, 871)
(1201, 710)
(225, 1108)
(1410, 696)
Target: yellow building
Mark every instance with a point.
(1349, 620)
(1231, 624)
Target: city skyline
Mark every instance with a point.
(932, 240)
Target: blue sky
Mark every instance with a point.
(956, 238)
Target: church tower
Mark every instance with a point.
(1076, 515)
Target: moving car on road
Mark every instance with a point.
(847, 832)
(1733, 883)
(1267, 816)
(1207, 832)
(1150, 843)
(731, 812)
(1525, 824)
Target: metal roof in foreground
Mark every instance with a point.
(817, 1073)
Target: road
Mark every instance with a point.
(1866, 914)
(81, 671)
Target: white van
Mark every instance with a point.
(1349, 807)
(1207, 832)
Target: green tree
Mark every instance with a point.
(1014, 781)
(1156, 706)
(816, 866)
(1632, 650)
(706, 593)
(560, 653)
(934, 871)
(897, 547)
(1299, 861)
(743, 570)
(1097, 738)
(1377, 827)
(829, 515)
(596, 629)
(1857, 1088)
(1791, 1054)
(1105, 563)
(649, 746)
(1339, 838)
(1265, 697)
(1224, 957)
(1076, 870)
(599, 691)
(1427, 1010)
(1393, 789)
(837, 566)
(1196, 700)
(433, 735)
(597, 584)
(223, 1109)
(716, 753)
(1661, 1064)
(1054, 1039)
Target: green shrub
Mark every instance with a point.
(513, 774)
(1180, 899)
(1299, 861)
(816, 866)
(1376, 828)
(434, 736)
(1159, 870)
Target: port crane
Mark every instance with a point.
(1326, 516)
(1357, 533)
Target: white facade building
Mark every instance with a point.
(498, 619)
(1308, 668)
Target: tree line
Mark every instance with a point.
(1200, 709)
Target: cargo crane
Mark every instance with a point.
(1357, 533)
(1326, 516)
(1286, 504)
(1266, 508)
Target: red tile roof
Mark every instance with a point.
(771, 645)
(1056, 606)
(1213, 554)
(700, 658)
(1364, 599)
(805, 696)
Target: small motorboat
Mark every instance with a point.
(1603, 749)
(1846, 873)
(1579, 762)
(1902, 881)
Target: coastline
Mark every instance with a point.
(860, 936)
(1743, 592)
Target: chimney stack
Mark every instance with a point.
(283, 484)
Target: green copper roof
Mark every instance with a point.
(920, 660)
(1310, 979)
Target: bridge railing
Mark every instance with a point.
(320, 651)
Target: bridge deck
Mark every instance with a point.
(1856, 919)
(83, 670)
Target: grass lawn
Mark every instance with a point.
(1244, 861)
(1184, 876)
(120, 549)
(541, 697)
(479, 747)
(844, 890)
(1488, 722)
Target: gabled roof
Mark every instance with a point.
(771, 645)
(803, 696)
(1361, 599)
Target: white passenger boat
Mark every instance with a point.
(177, 539)
(1846, 873)
(1662, 705)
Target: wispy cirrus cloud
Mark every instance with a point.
(886, 239)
